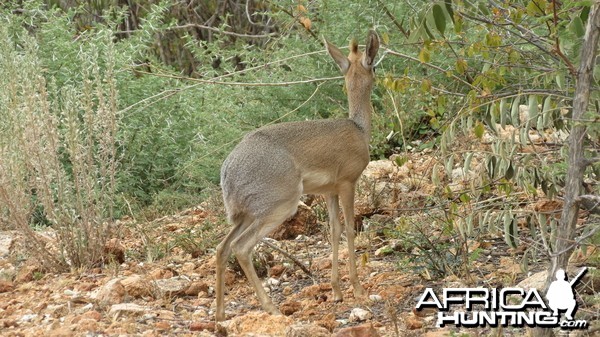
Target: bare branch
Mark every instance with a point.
(566, 230)
(574, 244)
(557, 44)
(288, 255)
(217, 30)
(244, 84)
(590, 203)
(432, 66)
(523, 33)
(394, 20)
(170, 92)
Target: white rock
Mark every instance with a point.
(110, 293)
(85, 308)
(342, 321)
(126, 308)
(359, 315)
(535, 281)
(188, 267)
(273, 282)
(71, 293)
(375, 298)
(172, 286)
(28, 317)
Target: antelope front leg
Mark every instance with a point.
(347, 199)
(333, 208)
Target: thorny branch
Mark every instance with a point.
(288, 255)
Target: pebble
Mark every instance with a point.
(375, 298)
(71, 293)
(28, 317)
(359, 315)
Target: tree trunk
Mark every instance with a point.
(565, 236)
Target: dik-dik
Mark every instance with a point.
(267, 172)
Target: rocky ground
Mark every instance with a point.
(162, 280)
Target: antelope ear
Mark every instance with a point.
(371, 50)
(339, 58)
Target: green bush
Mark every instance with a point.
(127, 117)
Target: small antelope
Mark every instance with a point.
(267, 172)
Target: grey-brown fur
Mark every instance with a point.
(267, 172)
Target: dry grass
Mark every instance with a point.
(58, 154)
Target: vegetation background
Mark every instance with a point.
(114, 108)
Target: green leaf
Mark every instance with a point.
(516, 14)
(510, 230)
(385, 38)
(514, 56)
(547, 111)
(449, 166)
(424, 55)
(470, 224)
(479, 129)
(585, 12)
(435, 175)
(483, 7)
(542, 220)
(425, 85)
(560, 80)
(439, 18)
(534, 8)
(467, 165)
(400, 84)
(401, 160)
(448, 192)
(492, 39)
(503, 115)
(415, 32)
(491, 166)
(523, 135)
(533, 107)
(458, 24)
(461, 66)
(510, 171)
(576, 26)
(490, 119)
(525, 262)
(488, 221)
(449, 9)
(514, 111)
(423, 22)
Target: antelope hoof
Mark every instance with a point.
(337, 297)
(272, 310)
(359, 292)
